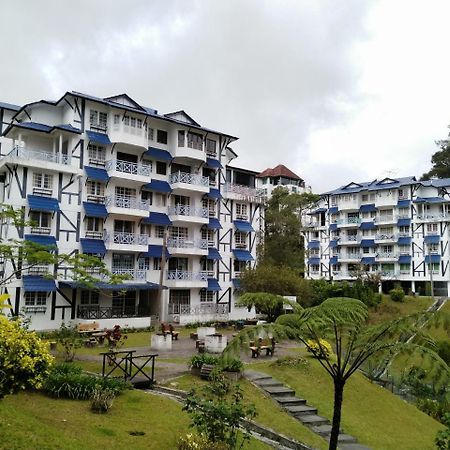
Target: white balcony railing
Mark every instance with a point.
(133, 274)
(93, 234)
(387, 255)
(189, 178)
(187, 276)
(384, 219)
(130, 168)
(93, 198)
(40, 155)
(186, 210)
(437, 216)
(40, 230)
(245, 191)
(204, 309)
(351, 238)
(126, 238)
(123, 201)
(386, 237)
(349, 221)
(186, 243)
(351, 256)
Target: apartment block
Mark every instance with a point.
(269, 179)
(145, 191)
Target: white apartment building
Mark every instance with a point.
(397, 227)
(109, 177)
(280, 175)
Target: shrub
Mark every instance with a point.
(443, 350)
(442, 439)
(102, 400)
(24, 358)
(323, 350)
(231, 365)
(69, 338)
(199, 442)
(299, 362)
(397, 295)
(197, 361)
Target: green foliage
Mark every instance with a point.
(397, 295)
(194, 441)
(197, 361)
(231, 365)
(69, 338)
(24, 358)
(102, 400)
(442, 440)
(298, 362)
(443, 350)
(440, 162)
(217, 414)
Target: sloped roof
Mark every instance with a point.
(182, 116)
(279, 171)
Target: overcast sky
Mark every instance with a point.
(337, 90)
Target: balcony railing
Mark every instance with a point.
(351, 238)
(387, 255)
(123, 201)
(101, 312)
(186, 210)
(40, 230)
(126, 238)
(186, 243)
(386, 237)
(351, 256)
(93, 234)
(204, 309)
(437, 216)
(245, 191)
(349, 221)
(384, 219)
(40, 155)
(187, 276)
(102, 127)
(130, 168)
(133, 274)
(189, 178)
(93, 198)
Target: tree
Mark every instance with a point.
(283, 244)
(440, 161)
(442, 440)
(343, 323)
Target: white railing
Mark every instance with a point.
(40, 230)
(387, 255)
(186, 210)
(186, 243)
(134, 274)
(387, 273)
(349, 221)
(95, 198)
(126, 238)
(37, 270)
(384, 219)
(93, 234)
(187, 276)
(386, 237)
(438, 216)
(351, 256)
(204, 309)
(245, 191)
(403, 216)
(351, 238)
(405, 272)
(123, 201)
(129, 167)
(40, 155)
(189, 178)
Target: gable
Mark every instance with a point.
(124, 99)
(182, 116)
(387, 181)
(352, 185)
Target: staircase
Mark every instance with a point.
(299, 409)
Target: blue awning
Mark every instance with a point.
(314, 261)
(403, 203)
(433, 259)
(46, 204)
(318, 211)
(367, 226)
(333, 210)
(96, 174)
(158, 219)
(243, 255)
(404, 240)
(155, 251)
(93, 246)
(333, 244)
(214, 193)
(158, 154)
(403, 222)
(313, 244)
(366, 243)
(236, 282)
(430, 200)
(242, 225)
(368, 208)
(213, 163)
(333, 226)
(41, 240)
(33, 283)
(404, 259)
(432, 239)
(158, 186)
(368, 260)
(214, 224)
(99, 138)
(213, 285)
(95, 210)
(112, 287)
(334, 260)
(213, 254)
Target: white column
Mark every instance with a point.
(413, 286)
(60, 148)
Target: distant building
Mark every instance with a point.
(280, 175)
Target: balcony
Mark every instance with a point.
(127, 134)
(384, 219)
(240, 192)
(94, 312)
(352, 239)
(386, 256)
(350, 257)
(349, 222)
(438, 217)
(189, 182)
(187, 148)
(185, 279)
(133, 241)
(183, 246)
(386, 237)
(40, 230)
(132, 274)
(133, 171)
(122, 204)
(183, 213)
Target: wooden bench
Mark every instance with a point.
(263, 344)
(86, 328)
(169, 329)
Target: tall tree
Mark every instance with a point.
(440, 161)
(283, 244)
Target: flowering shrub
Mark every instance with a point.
(24, 358)
(319, 351)
(199, 442)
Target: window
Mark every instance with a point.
(432, 227)
(404, 249)
(89, 297)
(209, 236)
(160, 199)
(159, 231)
(94, 190)
(147, 196)
(206, 296)
(211, 147)
(156, 263)
(239, 266)
(405, 268)
(126, 121)
(125, 191)
(161, 136)
(207, 265)
(35, 301)
(366, 250)
(315, 268)
(365, 197)
(180, 138)
(151, 134)
(116, 121)
(433, 248)
(386, 249)
(42, 183)
(98, 120)
(178, 232)
(241, 211)
(210, 205)
(41, 221)
(133, 122)
(404, 230)
(179, 301)
(146, 229)
(124, 304)
(195, 141)
(161, 168)
(96, 154)
(435, 267)
(94, 227)
(401, 193)
(122, 261)
(144, 263)
(240, 239)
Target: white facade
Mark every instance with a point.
(397, 227)
(121, 177)
(270, 179)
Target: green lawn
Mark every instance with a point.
(32, 421)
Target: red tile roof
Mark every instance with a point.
(279, 171)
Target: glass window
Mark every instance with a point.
(151, 134)
(241, 211)
(95, 188)
(144, 263)
(40, 219)
(156, 263)
(211, 147)
(159, 231)
(161, 168)
(94, 224)
(42, 180)
(206, 296)
(195, 141)
(89, 297)
(161, 136)
(35, 298)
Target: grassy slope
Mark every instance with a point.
(32, 421)
(372, 414)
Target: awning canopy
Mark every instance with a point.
(313, 244)
(403, 222)
(367, 226)
(214, 193)
(242, 225)
(433, 239)
(214, 224)
(95, 210)
(430, 200)
(333, 226)
(157, 219)
(46, 204)
(433, 259)
(334, 260)
(403, 203)
(213, 285)
(368, 260)
(99, 138)
(158, 186)
(314, 261)
(96, 174)
(41, 240)
(213, 254)
(213, 163)
(33, 283)
(242, 255)
(404, 240)
(318, 211)
(404, 259)
(333, 244)
(112, 287)
(367, 243)
(368, 208)
(333, 210)
(158, 154)
(155, 251)
(93, 246)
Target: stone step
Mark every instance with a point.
(253, 375)
(312, 419)
(298, 410)
(268, 382)
(346, 439)
(353, 446)
(279, 391)
(323, 430)
(289, 401)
